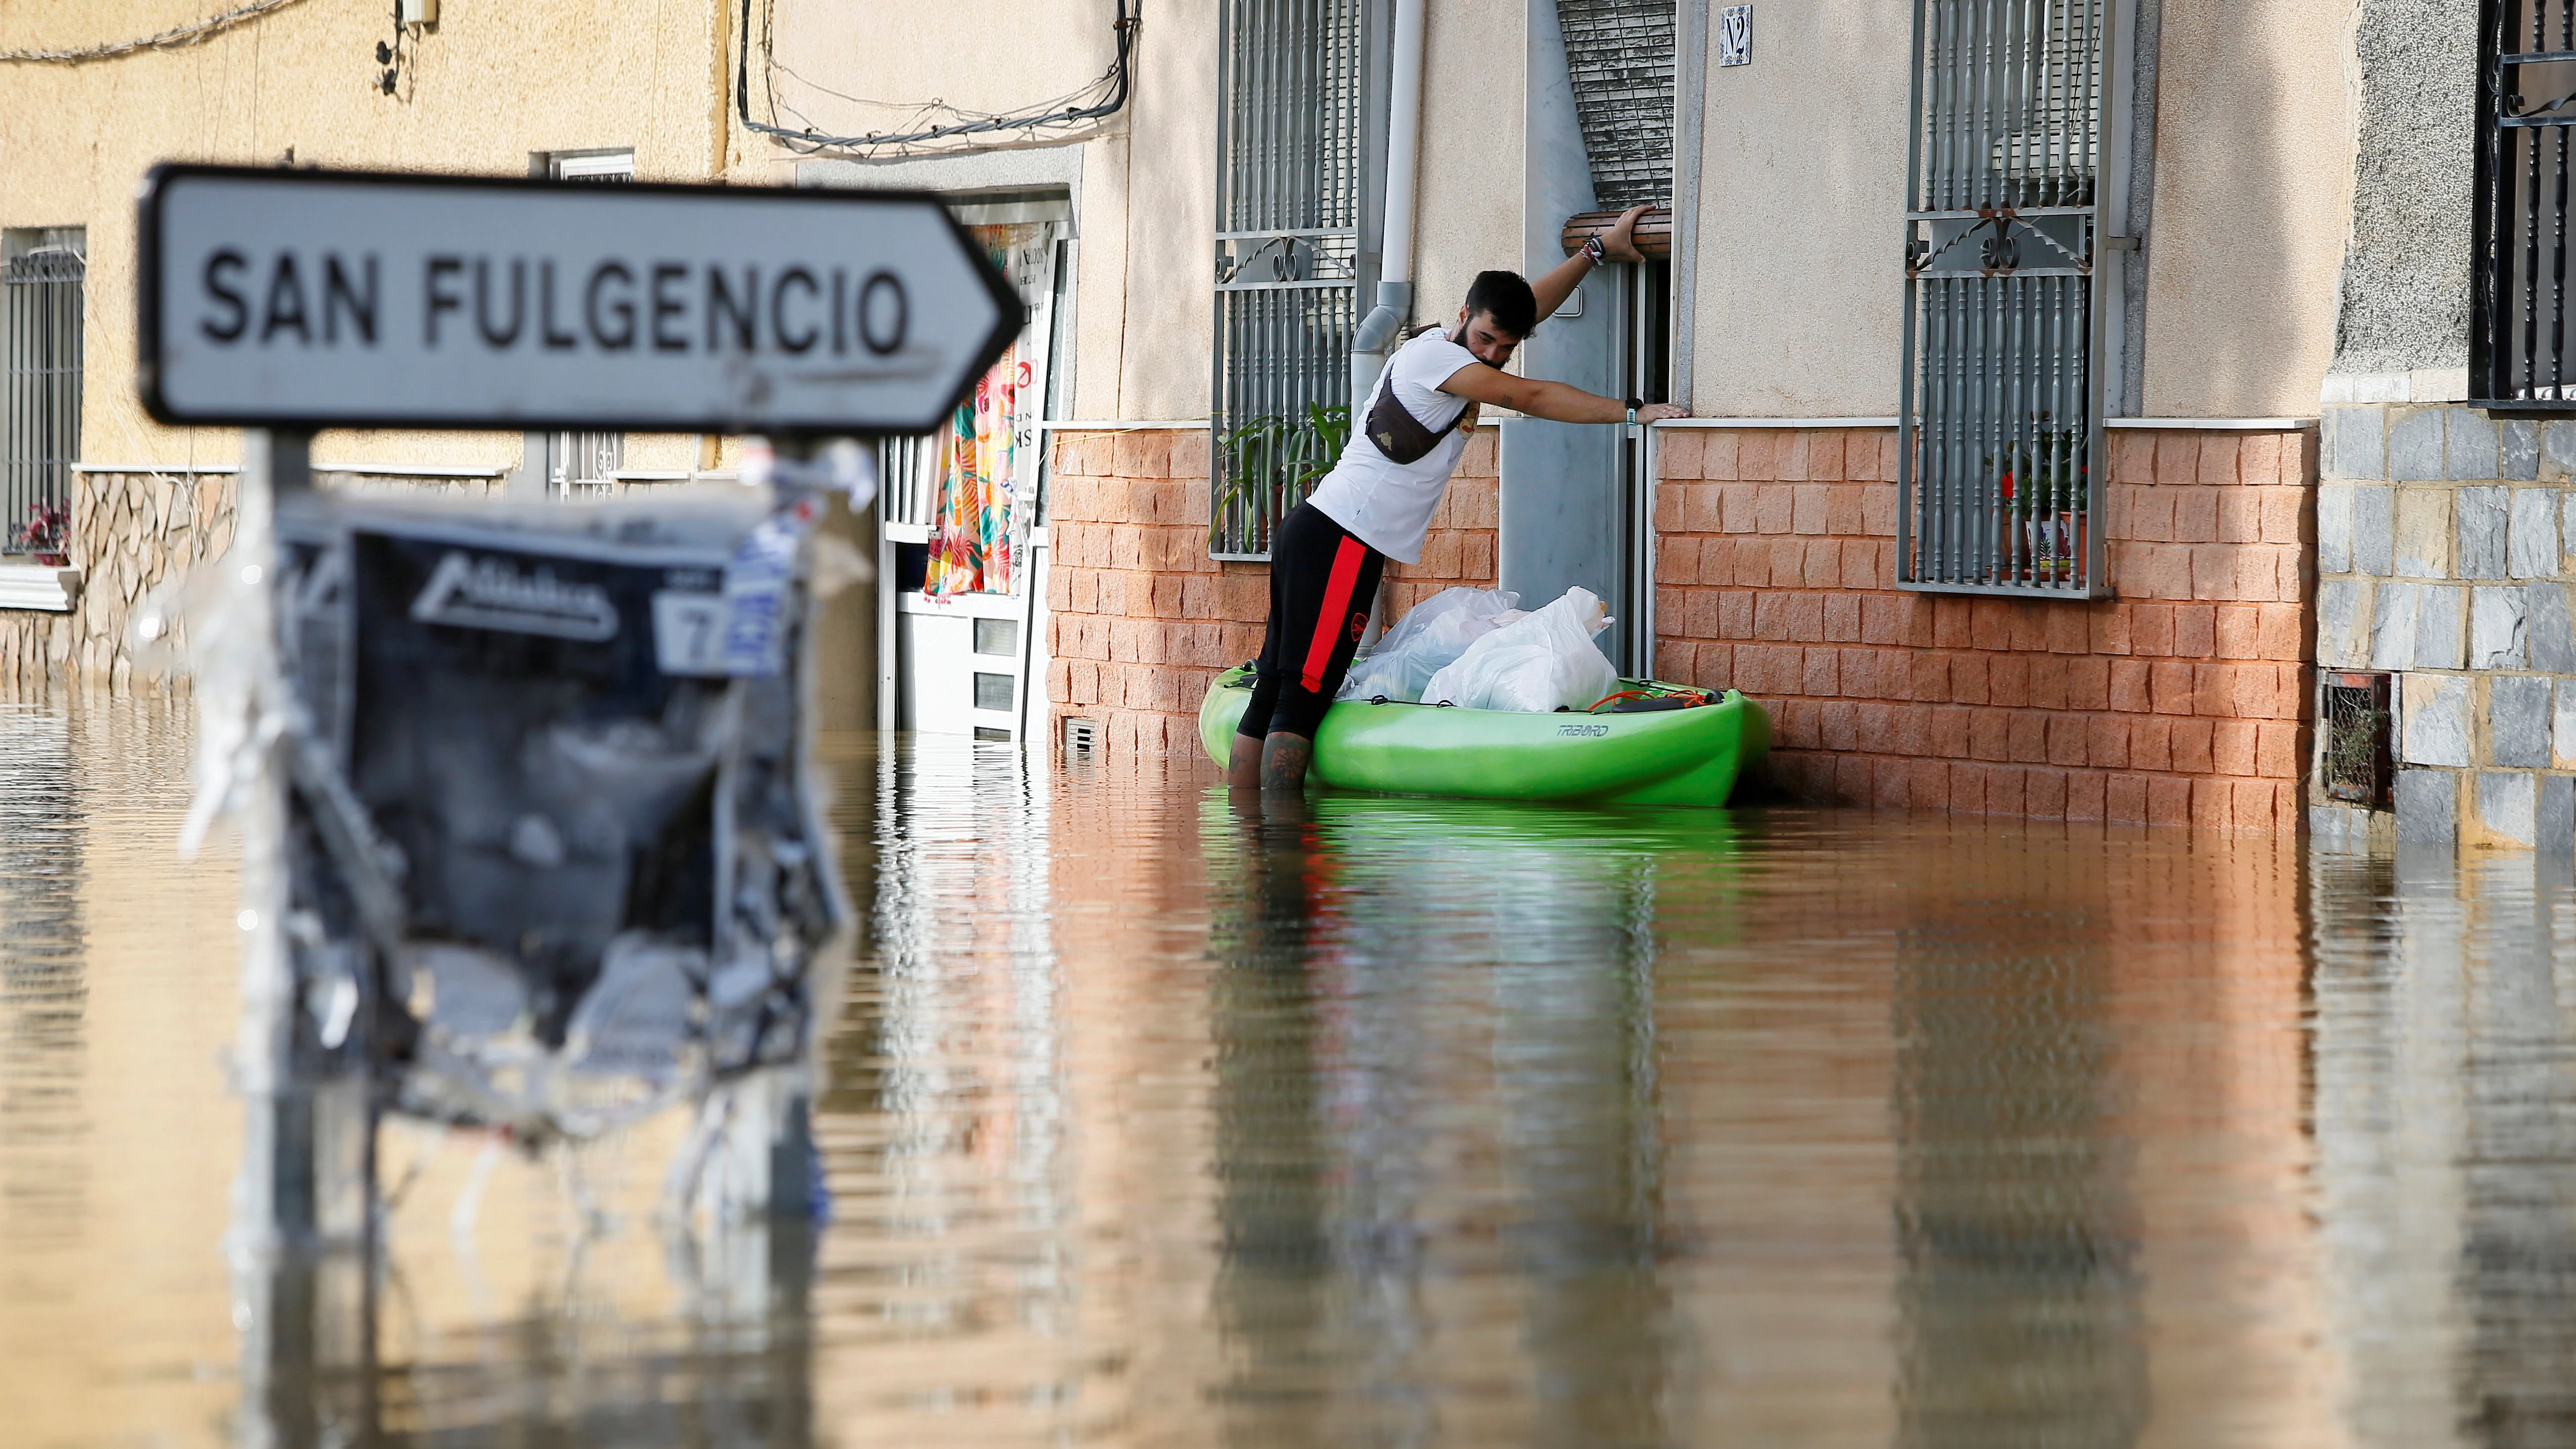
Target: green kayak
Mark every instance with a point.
(1659, 756)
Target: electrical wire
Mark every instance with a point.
(1057, 114)
(170, 39)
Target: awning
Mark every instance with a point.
(1654, 231)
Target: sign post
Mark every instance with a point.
(531, 843)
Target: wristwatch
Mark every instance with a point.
(1634, 403)
(1593, 248)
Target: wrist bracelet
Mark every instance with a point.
(1593, 248)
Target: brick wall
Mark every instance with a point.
(2183, 700)
(1140, 618)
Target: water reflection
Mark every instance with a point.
(2020, 1301)
(116, 1143)
(2446, 1129)
(43, 1177)
(1153, 1121)
(1436, 1067)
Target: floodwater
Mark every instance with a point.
(1396, 1123)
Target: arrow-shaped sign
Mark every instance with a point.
(309, 299)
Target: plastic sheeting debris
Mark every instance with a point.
(1429, 637)
(1543, 661)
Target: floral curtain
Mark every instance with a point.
(972, 545)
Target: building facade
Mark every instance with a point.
(98, 93)
(2007, 488)
(2178, 686)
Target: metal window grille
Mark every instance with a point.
(1619, 55)
(908, 477)
(1291, 169)
(40, 306)
(2002, 443)
(586, 464)
(2358, 760)
(2526, 103)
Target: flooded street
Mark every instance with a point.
(1396, 1123)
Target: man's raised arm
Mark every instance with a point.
(1618, 244)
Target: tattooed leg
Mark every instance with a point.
(1283, 762)
(1243, 766)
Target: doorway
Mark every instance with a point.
(962, 555)
(1641, 300)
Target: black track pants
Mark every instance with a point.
(1322, 581)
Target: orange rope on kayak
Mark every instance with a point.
(1697, 697)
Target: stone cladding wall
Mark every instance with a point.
(2444, 539)
(1139, 617)
(2183, 700)
(129, 532)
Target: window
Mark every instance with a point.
(1292, 168)
(2002, 404)
(41, 277)
(2519, 325)
(584, 465)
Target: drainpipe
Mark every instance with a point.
(1376, 335)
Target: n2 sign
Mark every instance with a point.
(307, 299)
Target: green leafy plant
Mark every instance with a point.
(2043, 485)
(2046, 474)
(1265, 464)
(2353, 745)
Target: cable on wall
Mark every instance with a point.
(170, 39)
(1102, 97)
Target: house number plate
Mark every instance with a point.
(1735, 35)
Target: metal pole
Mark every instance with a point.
(303, 1240)
(785, 1173)
(1690, 105)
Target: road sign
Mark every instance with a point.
(308, 299)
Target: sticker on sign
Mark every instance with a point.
(305, 299)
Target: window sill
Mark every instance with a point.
(39, 588)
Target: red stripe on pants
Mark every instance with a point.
(1336, 610)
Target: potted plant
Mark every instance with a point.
(46, 534)
(2043, 486)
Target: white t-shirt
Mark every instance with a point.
(1386, 503)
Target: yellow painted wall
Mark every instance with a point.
(1142, 310)
(491, 83)
(1469, 219)
(1801, 215)
(2254, 158)
(1800, 295)
(852, 69)
(1161, 246)
(1144, 286)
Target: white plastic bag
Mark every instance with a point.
(1433, 633)
(1540, 662)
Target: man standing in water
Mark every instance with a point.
(1377, 502)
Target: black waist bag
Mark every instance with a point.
(1397, 432)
